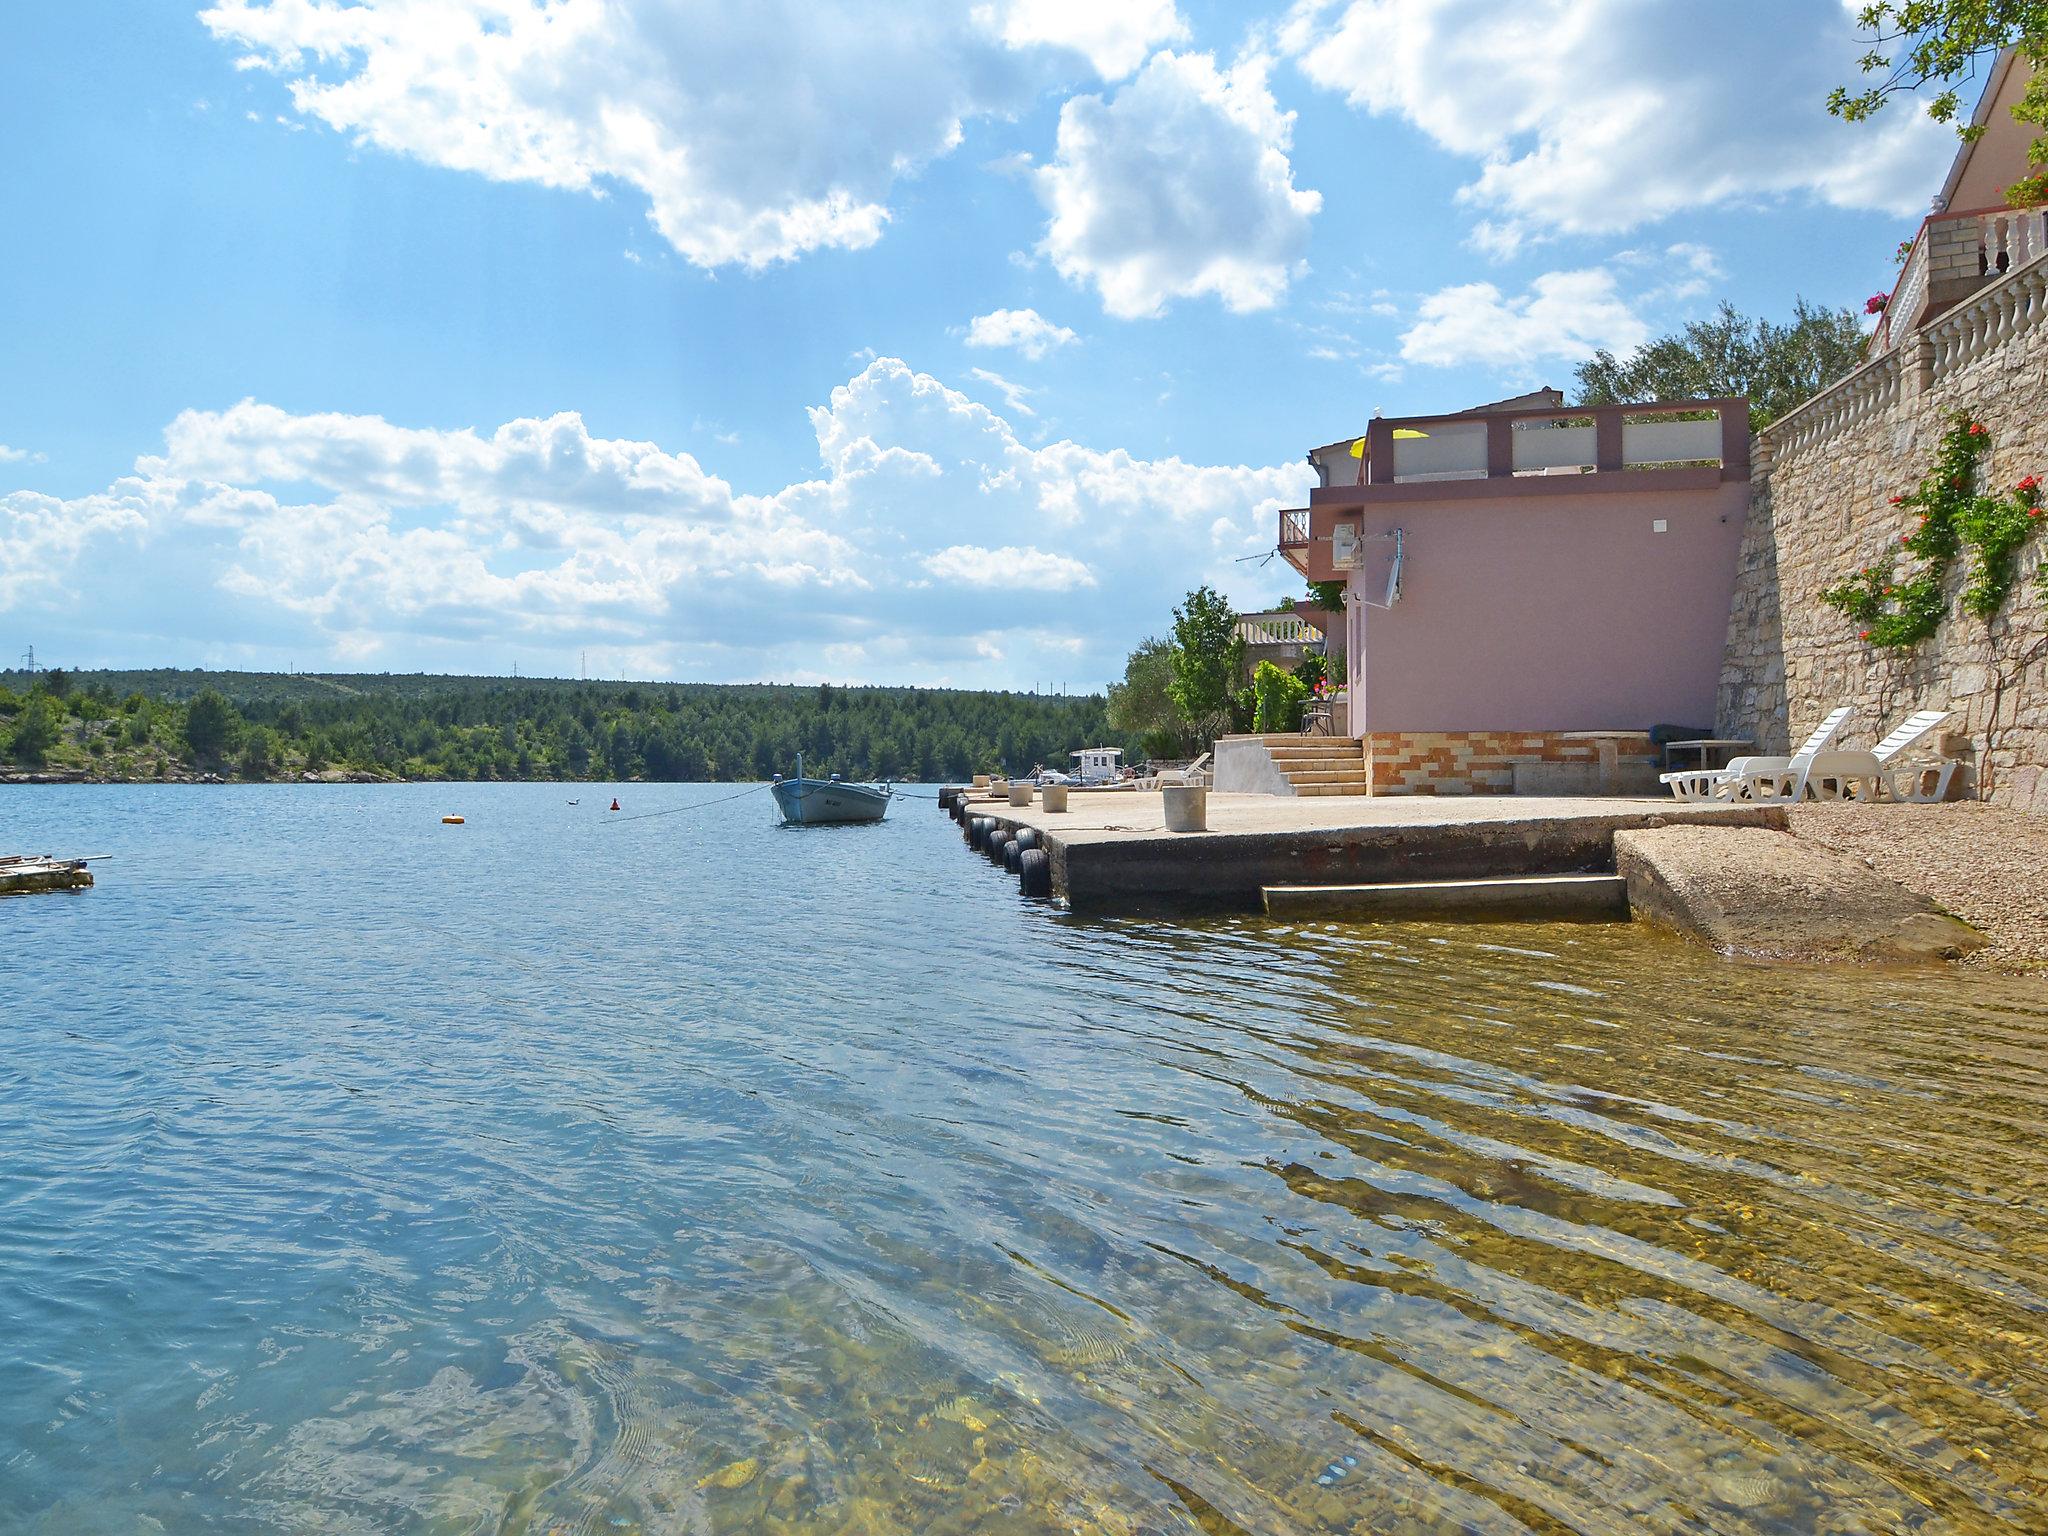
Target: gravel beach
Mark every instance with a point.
(1986, 864)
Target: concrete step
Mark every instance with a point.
(1331, 789)
(1535, 898)
(1299, 777)
(1317, 759)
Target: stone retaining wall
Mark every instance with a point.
(1820, 512)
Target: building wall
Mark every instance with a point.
(1820, 513)
(1552, 613)
(1999, 158)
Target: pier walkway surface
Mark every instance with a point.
(1111, 852)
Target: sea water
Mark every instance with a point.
(579, 1171)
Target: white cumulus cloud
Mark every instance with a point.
(734, 122)
(1563, 316)
(969, 565)
(1114, 37)
(1591, 116)
(1177, 186)
(21, 455)
(929, 526)
(1025, 329)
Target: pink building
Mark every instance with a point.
(1526, 571)
(1974, 234)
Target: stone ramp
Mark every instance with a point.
(1767, 895)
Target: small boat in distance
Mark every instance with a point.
(813, 802)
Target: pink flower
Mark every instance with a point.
(1874, 305)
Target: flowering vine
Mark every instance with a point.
(1897, 611)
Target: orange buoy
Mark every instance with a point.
(451, 821)
(615, 804)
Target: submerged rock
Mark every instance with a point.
(1768, 895)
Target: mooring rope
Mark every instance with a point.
(701, 805)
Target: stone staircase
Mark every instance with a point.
(1320, 765)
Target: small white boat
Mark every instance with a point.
(816, 802)
(1097, 765)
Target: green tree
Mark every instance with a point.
(36, 730)
(1142, 707)
(259, 751)
(1918, 43)
(1208, 654)
(1776, 366)
(1280, 696)
(210, 726)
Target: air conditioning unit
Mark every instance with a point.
(1345, 552)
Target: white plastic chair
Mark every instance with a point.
(1757, 777)
(1907, 779)
(1841, 775)
(1194, 773)
(1867, 775)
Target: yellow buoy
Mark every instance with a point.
(451, 821)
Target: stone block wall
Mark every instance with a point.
(1820, 512)
(1483, 762)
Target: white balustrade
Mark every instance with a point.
(1908, 294)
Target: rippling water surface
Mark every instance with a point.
(564, 1173)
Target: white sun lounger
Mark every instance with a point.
(1195, 773)
(1758, 778)
(1867, 775)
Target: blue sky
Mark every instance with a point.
(921, 342)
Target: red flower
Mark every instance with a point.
(1905, 538)
(2028, 484)
(1874, 305)
(2038, 512)
(1897, 499)
(1864, 636)
(1976, 429)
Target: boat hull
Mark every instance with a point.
(821, 802)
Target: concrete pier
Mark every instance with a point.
(1110, 851)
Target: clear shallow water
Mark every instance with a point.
(548, 1174)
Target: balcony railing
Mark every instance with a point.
(1554, 441)
(1276, 629)
(1954, 250)
(1294, 528)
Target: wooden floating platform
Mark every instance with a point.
(23, 873)
(1111, 852)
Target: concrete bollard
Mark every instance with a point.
(1055, 796)
(1187, 808)
(981, 781)
(1020, 792)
